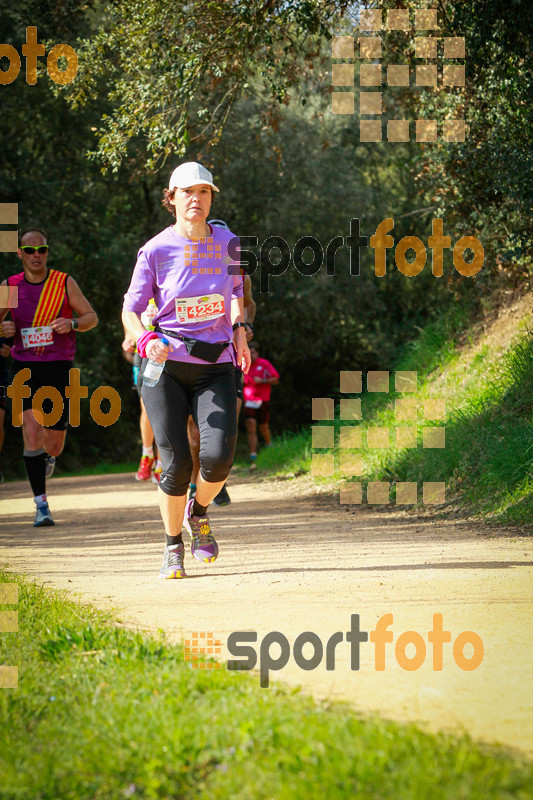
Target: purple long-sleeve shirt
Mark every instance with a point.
(192, 285)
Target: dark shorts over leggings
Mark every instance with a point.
(208, 393)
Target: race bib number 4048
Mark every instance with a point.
(199, 309)
(37, 337)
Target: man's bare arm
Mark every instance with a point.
(87, 318)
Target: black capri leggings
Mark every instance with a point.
(208, 393)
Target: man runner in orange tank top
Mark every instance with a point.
(44, 328)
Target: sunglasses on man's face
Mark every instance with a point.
(31, 250)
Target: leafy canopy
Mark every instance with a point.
(175, 70)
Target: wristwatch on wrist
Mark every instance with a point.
(249, 325)
(238, 325)
(75, 324)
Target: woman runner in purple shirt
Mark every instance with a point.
(199, 293)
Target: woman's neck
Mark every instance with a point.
(192, 230)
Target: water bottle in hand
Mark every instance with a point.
(153, 370)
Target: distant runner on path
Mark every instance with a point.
(185, 268)
(45, 343)
(257, 387)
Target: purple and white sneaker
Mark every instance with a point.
(203, 544)
(173, 562)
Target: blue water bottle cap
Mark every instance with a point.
(165, 341)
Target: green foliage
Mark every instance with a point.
(177, 68)
(483, 186)
(487, 461)
(103, 712)
(288, 456)
(95, 225)
(245, 88)
(279, 173)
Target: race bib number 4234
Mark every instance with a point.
(199, 309)
(37, 337)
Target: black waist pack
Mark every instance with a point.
(206, 351)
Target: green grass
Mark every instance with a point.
(103, 713)
(487, 463)
(289, 455)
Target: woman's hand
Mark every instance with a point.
(128, 345)
(244, 358)
(157, 351)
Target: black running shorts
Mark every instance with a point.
(261, 414)
(47, 373)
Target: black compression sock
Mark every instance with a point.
(35, 461)
(171, 540)
(198, 510)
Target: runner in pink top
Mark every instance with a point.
(261, 376)
(199, 293)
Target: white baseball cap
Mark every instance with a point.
(190, 174)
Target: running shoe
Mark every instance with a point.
(173, 562)
(203, 544)
(144, 473)
(158, 469)
(222, 498)
(43, 517)
(253, 464)
(50, 464)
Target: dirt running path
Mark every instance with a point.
(291, 561)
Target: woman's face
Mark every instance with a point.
(253, 353)
(193, 204)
